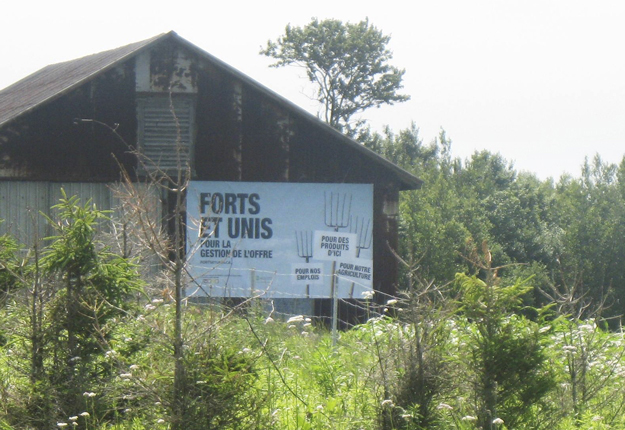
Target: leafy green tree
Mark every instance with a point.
(485, 173)
(520, 218)
(347, 63)
(591, 216)
(432, 224)
(406, 148)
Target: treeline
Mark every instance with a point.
(567, 233)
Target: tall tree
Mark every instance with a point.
(347, 63)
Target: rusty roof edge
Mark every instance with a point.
(410, 180)
(141, 45)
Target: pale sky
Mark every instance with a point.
(541, 82)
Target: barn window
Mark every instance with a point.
(166, 132)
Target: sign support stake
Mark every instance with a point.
(335, 303)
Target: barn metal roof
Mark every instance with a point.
(55, 80)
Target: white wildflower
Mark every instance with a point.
(133, 367)
(444, 406)
(160, 421)
(297, 318)
(497, 421)
(569, 348)
(126, 375)
(544, 329)
(61, 424)
(88, 394)
(391, 302)
(367, 295)
(157, 301)
(469, 418)
(149, 307)
(74, 418)
(127, 339)
(387, 402)
(84, 414)
(268, 320)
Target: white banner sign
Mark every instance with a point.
(279, 239)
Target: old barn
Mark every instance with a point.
(71, 125)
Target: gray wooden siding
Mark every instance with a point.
(22, 204)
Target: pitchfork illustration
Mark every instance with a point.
(364, 241)
(336, 214)
(304, 242)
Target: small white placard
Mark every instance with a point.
(334, 246)
(307, 273)
(357, 270)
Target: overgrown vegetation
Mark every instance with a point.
(86, 344)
